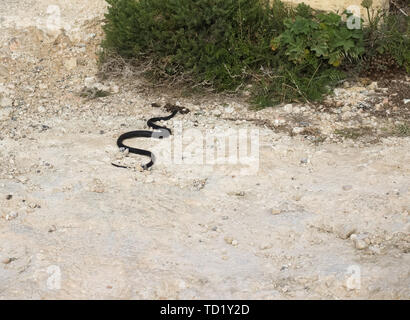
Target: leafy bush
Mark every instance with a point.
(321, 38)
(387, 35)
(213, 41)
(286, 53)
(315, 44)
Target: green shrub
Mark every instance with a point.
(315, 44)
(213, 41)
(387, 35)
(287, 54)
(323, 38)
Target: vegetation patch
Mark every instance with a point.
(285, 53)
(354, 133)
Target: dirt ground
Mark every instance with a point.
(323, 214)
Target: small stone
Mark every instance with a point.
(378, 107)
(275, 211)
(375, 249)
(149, 180)
(234, 242)
(98, 186)
(360, 244)
(347, 187)
(6, 260)
(217, 113)
(89, 82)
(297, 130)
(228, 240)
(265, 246)
(115, 89)
(9, 196)
(344, 231)
(288, 108)
(11, 216)
(372, 86)
(41, 109)
(52, 229)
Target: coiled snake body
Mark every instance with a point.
(163, 132)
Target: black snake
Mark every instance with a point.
(163, 132)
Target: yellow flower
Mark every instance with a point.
(274, 44)
(336, 63)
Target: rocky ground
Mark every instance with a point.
(324, 213)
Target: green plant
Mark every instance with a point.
(216, 42)
(387, 35)
(315, 44)
(320, 38)
(286, 53)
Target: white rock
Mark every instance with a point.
(297, 130)
(89, 82)
(229, 109)
(360, 244)
(275, 211)
(115, 89)
(372, 86)
(288, 108)
(11, 216)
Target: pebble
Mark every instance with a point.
(288, 108)
(98, 186)
(231, 241)
(6, 260)
(89, 82)
(344, 231)
(265, 246)
(360, 244)
(11, 216)
(347, 187)
(275, 211)
(297, 130)
(372, 86)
